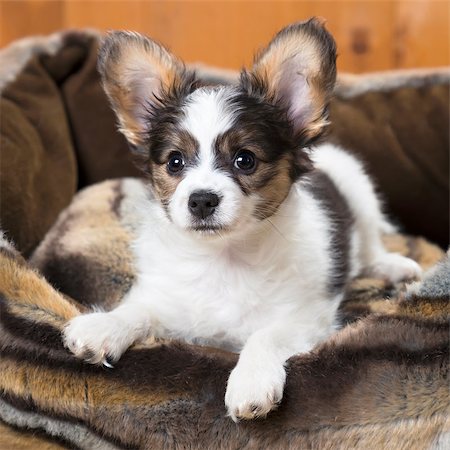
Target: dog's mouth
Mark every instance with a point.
(207, 229)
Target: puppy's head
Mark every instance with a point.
(220, 158)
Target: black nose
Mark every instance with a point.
(202, 203)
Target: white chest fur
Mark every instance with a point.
(220, 291)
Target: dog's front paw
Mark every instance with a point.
(254, 392)
(395, 268)
(96, 338)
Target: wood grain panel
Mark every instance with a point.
(371, 35)
(24, 18)
(421, 35)
(104, 15)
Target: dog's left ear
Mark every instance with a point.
(297, 70)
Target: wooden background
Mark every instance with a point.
(371, 35)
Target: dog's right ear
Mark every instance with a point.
(137, 73)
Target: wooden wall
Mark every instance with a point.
(371, 35)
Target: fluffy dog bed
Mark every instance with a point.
(380, 382)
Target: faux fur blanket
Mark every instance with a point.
(380, 382)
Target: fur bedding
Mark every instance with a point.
(380, 382)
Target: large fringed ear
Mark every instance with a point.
(137, 73)
(298, 71)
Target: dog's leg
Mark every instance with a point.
(352, 181)
(376, 260)
(102, 337)
(256, 384)
(393, 267)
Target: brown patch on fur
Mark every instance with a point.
(164, 184)
(272, 178)
(173, 140)
(273, 185)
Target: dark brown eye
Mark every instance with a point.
(175, 163)
(245, 161)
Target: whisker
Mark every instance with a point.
(272, 211)
(278, 231)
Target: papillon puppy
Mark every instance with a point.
(248, 236)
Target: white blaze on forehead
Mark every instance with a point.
(208, 115)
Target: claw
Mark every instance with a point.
(107, 364)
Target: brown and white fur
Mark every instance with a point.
(247, 238)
